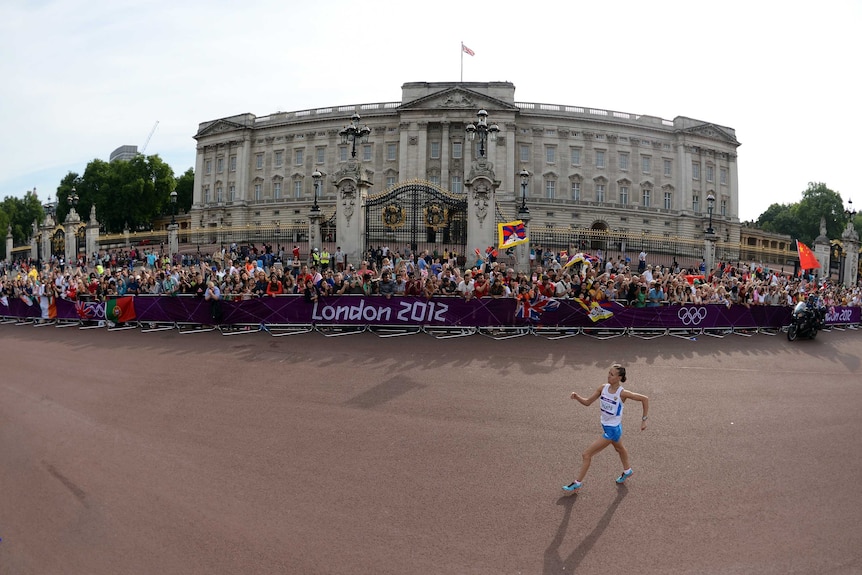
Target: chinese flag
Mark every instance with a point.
(807, 261)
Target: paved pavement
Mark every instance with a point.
(165, 453)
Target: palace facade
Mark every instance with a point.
(589, 168)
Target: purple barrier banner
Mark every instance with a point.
(413, 311)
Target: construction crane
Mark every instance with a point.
(147, 141)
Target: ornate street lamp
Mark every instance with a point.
(525, 181)
(73, 198)
(710, 205)
(317, 176)
(350, 133)
(482, 129)
(174, 208)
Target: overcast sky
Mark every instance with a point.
(78, 78)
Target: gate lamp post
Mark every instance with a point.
(317, 177)
(483, 129)
(73, 198)
(525, 180)
(174, 208)
(350, 133)
(710, 205)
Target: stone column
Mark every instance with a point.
(315, 217)
(47, 229)
(481, 189)
(92, 237)
(445, 181)
(9, 244)
(709, 251)
(522, 251)
(850, 238)
(822, 250)
(173, 239)
(352, 186)
(71, 224)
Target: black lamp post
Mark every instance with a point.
(710, 205)
(482, 129)
(317, 177)
(73, 198)
(174, 208)
(525, 180)
(350, 133)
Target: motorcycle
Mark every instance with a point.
(805, 321)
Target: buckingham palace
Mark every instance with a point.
(571, 169)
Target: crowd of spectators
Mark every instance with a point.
(246, 272)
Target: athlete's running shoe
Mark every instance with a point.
(572, 487)
(624, 476)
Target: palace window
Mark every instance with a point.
(456, 185)
(600, 159)
(624, 161)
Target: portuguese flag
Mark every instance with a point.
(120, 309)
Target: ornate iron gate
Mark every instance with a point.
(418, 215)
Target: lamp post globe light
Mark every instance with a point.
(481, 128)
(350, 133)
(174, 208)
(316, 176)
(710, 206)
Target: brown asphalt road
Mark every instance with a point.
(163, 453)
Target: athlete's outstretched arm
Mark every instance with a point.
(588, 400)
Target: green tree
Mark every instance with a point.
(185, 190)
(20, 214)
(801, 220)
(126, 193)
(818, 202)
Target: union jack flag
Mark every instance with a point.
(85, 310)
(512, 234)
(532, 307)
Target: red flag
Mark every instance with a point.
(467, 50)
(807, 261)
(120, 309)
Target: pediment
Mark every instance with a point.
(457, 98)
(217, 127)
(711, 131)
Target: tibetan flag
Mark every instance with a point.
(467, 50)
(595, 310)
(581, 258)
(120, 309)
(807, 260)
(512, 234)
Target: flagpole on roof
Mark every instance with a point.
(462, 62)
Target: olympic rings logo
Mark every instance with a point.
(691, 315)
